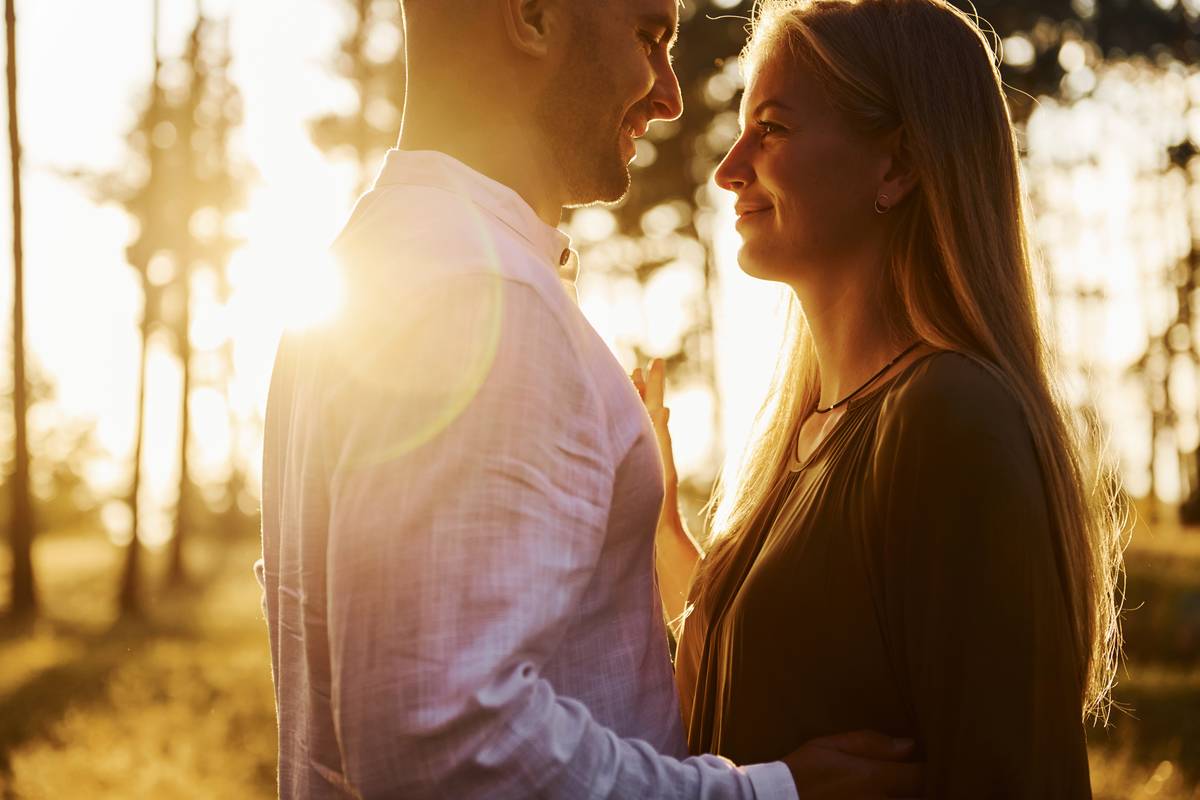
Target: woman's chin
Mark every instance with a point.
(757, 267)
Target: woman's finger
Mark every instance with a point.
(655, 384)
(665, 448)
(639, 382)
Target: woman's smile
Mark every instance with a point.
(750, 212)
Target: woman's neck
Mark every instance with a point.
(852, 333)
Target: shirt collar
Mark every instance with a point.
(441, 171)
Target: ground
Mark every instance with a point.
(180, 704)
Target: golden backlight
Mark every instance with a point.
(1096, 225)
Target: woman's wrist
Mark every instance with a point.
(670, 517)
(673, 529)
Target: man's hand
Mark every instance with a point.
(855, 766)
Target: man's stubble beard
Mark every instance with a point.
(582, 133)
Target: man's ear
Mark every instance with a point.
(901, 175)
(529, 24)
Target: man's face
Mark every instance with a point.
(616, 80)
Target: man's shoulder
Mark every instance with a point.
(413, 234)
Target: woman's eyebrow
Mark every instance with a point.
(776, 104)
(758, 110)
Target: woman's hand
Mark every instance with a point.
(675, 552)
(652, 387)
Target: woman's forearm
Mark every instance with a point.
(676, 554)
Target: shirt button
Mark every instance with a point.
(565, 257)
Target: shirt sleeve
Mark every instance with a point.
(975, 607)
(470, 492)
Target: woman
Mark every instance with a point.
(915, 544)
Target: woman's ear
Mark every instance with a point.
(529, 24)
(900, 176)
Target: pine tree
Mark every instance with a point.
(185, 187)
(211, 186)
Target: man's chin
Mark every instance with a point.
(608, 187)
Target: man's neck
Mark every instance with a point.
(502, 150)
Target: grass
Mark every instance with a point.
(180, 704)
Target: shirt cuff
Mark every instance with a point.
(771, 781)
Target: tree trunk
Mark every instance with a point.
(129, 600)
(232, 515)
(129, 597)
(177, 572)
(24, 592)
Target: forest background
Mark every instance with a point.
(177, 169)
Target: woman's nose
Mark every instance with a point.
(733, 173)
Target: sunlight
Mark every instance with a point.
(291, 290)
(212, 426)
(183, 184)
(750, 316)
(283, 278)
(288, 278)
(1111, 224)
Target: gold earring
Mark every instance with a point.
(881, 206)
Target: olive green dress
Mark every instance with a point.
(907, 581)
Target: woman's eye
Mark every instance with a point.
(765, 128)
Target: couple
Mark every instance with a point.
(463, 580)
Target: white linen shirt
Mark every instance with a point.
(460, 489)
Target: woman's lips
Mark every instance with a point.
(750, 212)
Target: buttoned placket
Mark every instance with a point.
(568, 272)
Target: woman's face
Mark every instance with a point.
(806, 181)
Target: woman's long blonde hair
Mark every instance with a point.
(960, 277)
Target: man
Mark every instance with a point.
(460, 484)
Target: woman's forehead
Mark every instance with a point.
(777, 77)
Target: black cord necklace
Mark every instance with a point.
(870, 380)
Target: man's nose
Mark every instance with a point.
(666, 97)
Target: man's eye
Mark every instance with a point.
(650, 40)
